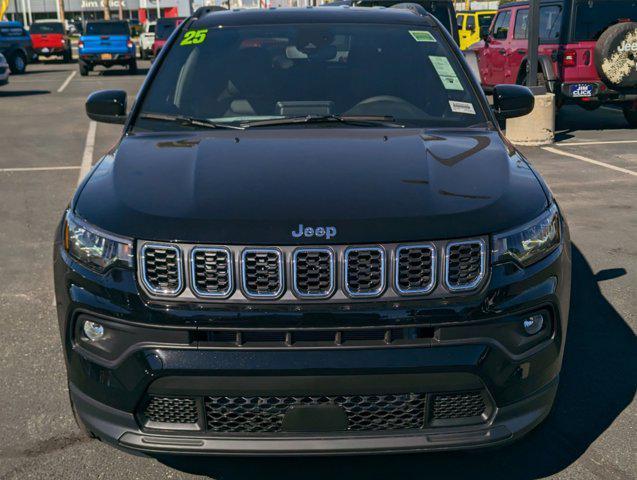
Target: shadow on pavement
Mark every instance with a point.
(598, 382)
(572, 118)
(38, 72)
(23, 93)
(120, 72)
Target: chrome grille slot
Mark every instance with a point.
(415, 269)
(364, 271)
(161, 269)
(262, 272)
(211, 270)
(465, 264)
(313, 272)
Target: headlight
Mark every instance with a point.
(530, 243)
(94, 248)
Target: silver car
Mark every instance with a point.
(4, 70)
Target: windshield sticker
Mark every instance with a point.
(462, 107)
(194, 37)
(446, 73)
(422, 36)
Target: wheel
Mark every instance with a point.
(18, 63)
(631, 116)
(142, 54)
(67, 57)
(84, 432)
(84, 69)
(132, 66)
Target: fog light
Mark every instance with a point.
(94, 331)
(533, 324)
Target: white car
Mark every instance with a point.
(146, 39)
(4, 70)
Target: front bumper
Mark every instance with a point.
(473, 343)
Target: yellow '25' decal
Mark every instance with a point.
(194, 37)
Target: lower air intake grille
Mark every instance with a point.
(211, 272)
(161, 269)
(364, 412)
(458, 405)
(262, 272)
(465, 264)
(313, 272)
(171, 410)
(364, 271)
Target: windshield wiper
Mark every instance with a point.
(360, 120)
(188, 121)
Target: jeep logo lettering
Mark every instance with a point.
(320, 232)
(627, 47)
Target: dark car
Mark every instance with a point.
(311, 238)
(16, 46)
(586, 55)
(106, 43)
(163, 29)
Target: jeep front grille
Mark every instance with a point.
(262, 272)
(161, 269)
(450, 406)
(289, 274)
(313, 272)
(364, 271)
(415, 268)
(465, 264)
(211, 270)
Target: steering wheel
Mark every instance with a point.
(387, 105)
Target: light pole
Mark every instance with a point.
(158, 10)
(534, 33)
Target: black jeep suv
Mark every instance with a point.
(311, 238)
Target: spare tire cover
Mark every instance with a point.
(616, 55)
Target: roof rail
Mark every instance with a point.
(201, 11)
(412, 7)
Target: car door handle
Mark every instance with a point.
(502, 51)
(521, 51)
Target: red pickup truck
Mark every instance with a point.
(50, 38)
(587, 53)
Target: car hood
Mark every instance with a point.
(257, 186)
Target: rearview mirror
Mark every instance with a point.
(510, 101)
(107, 106)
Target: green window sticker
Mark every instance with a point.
(446, 73)
(422, 36)
(194, 37)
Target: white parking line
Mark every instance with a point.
(87, 158)
(579, 144)
(589, 160)
(67, 81)
(38, 169)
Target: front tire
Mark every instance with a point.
(67, 57)
(18, 63)
(132, 66)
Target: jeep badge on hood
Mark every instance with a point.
(327, 232)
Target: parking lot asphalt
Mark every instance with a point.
(592, 169)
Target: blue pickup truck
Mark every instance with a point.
(106, 43)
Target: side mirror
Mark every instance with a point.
(107, 106)
(510, 101)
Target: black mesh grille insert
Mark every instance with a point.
(464, 262)
(458, 405)
(415, 269)
(313, 272)
(364, 412)
(365, 271)
(171, 410)
(211, 271)
(262, 272)
(162, 269)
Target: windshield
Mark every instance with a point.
(442, 10)
(484, 19)
(107, 28)
(239, 74)
(165, 28)
(46, 28)
(593, 17)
